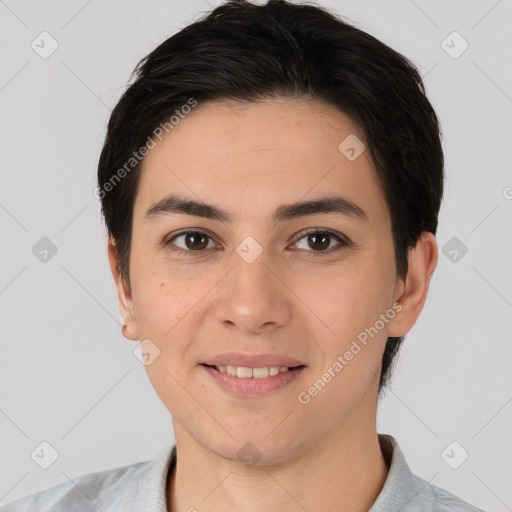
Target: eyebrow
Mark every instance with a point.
(173, 204)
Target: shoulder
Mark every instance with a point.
(84, 493)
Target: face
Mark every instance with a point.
(261, 278)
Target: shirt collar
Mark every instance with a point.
(150, 494)
(401, 485)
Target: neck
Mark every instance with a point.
(345, 471)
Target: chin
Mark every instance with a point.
(255, 453)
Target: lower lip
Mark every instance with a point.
(251, 386)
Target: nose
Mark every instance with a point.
(253, 297)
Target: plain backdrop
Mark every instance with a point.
(67, 375)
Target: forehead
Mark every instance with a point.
(249, 157)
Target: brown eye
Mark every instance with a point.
(192, 241)
(196, 241)
(320, 241)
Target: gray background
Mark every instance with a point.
(67, 375)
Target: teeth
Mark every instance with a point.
(242, 371)
(245, 372)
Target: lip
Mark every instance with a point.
(251, 360)
(252, 387)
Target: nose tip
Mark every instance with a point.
(252, 298)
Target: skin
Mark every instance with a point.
(249, 160)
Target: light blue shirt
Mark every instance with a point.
(141, 487)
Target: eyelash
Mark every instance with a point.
(314, 254)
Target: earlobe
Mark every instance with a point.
(412, 293)
(129, 328)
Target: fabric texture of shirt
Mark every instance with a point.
(141, 487)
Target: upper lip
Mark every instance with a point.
(251, 360)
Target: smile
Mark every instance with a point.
(246, 381)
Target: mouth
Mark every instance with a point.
(247, 372)
(248, 382)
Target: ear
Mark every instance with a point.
(129, 330)
(412, 292)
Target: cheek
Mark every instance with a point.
(349, 303)
(170, 304)
(350, 340)
(162, 312)
(352, 298)
(161, 296)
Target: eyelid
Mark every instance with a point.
(167, 241)
(345, 240)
